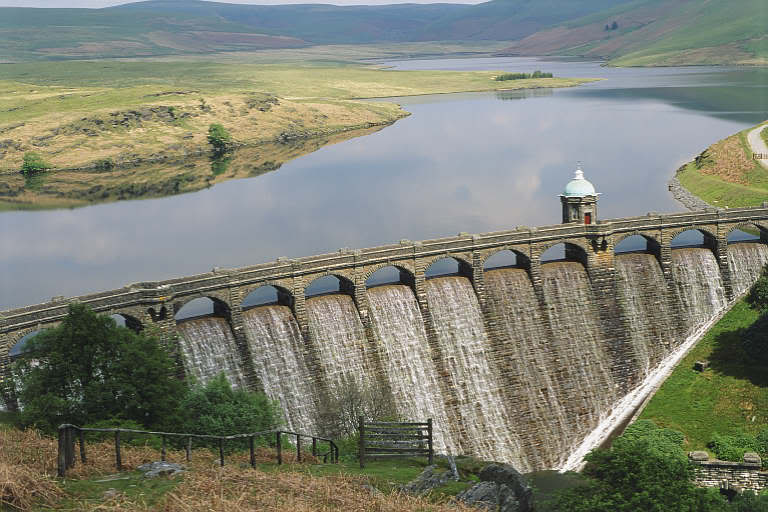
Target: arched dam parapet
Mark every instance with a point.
(561, 341)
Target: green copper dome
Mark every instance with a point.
(578, 186)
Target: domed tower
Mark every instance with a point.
(579, 200)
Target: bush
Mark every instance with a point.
(105, 164)
(732, 447)
(758, 294)
(219, 138)
(217, 409)
(340, 411)
(33, 163)
(125, 438)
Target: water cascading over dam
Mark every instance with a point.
(525, 388)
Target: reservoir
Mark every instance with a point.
(461, 163)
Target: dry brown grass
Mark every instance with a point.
(28, 466)
(728, 161)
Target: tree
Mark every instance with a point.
(340, 411)
(645, 469)
(217, 409)
(33, 163)
(219, 138)
(88, 369)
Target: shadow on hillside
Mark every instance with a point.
(743, 353)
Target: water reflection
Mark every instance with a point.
(464, 162)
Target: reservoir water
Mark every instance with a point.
(463, 162)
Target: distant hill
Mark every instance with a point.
(661, 32)
(162, 27)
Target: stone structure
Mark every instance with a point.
(579, 200)
(547, 348)
(729, 476)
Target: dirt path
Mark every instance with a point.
(758, 145)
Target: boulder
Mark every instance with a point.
(501, 488)
(430, 478)
(155, 469)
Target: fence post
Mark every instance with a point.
(298, 448)
(361, 450)
(314, 446)
(118, 459)
(189, 448)
(70, 437)
(221, 451)
(429, 441)
(279, 449)
(82, 445)
(61, 461)
(253, 452)
(162, 449)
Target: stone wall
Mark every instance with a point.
(737, 476)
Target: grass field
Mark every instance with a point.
(726, 175)
(729, 397)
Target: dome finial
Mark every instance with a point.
(579, 174)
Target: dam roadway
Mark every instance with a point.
(516, 363)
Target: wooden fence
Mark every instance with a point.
(67, 434)
(390, 439)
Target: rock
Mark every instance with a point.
(698, 456)
(155, 469)
(700, 366)
(427, 480)
(374, 491)
(501, 488)
(752, 458)
(109, 494)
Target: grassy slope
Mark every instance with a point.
(731, 396)
(663, 32)
(728, 176)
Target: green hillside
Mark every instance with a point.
(661, 32)
(166, 27)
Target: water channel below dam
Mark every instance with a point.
(525, 388)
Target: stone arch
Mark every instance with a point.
(17, 337)
(221, 307)
(747, 227)
(575, 250)
(710, 239)
(345, 285)
(521, 260)
(464, 267)
(283, 296)
(406, 275)
(652, 244)
(131, 322)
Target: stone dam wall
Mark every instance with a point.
(516, 364)
(736, 476)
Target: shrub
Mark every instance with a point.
(125, 437)
(340, 411)
(522, 76)
(758, 294)
(33, 163)
(217, 409)
(732, 446)
(105, 164)
(219, 138)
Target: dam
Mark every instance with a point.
(517, 343)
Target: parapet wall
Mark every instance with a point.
(737, 476)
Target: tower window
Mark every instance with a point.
(588, 218)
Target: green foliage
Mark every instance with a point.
(758, 294)
(125, 437)
(523, 76)
(105, 164)
(217, 409)
(645, 469)
(749, 502)
(733, 446)
(219, 137)
(764, 134)
(220, 164)
(340, 411)
(88, 369)
(33, 163)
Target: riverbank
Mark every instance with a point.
(725, 175)
(109, 114)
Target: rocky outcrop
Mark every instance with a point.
(501, 488)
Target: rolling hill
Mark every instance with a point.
(661, 32)
(164, 27)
